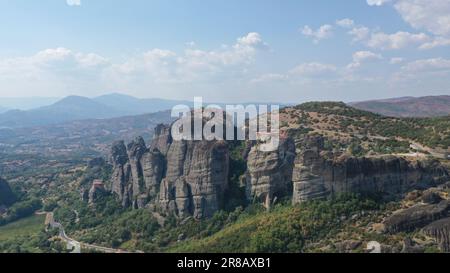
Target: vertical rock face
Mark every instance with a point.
(162, 139)
(317, 176)
(440, 230)
(269, 174)
(181, 177)
(189, 178)
(196, 178)
(309, 170)
(120, 178)
(137, 172)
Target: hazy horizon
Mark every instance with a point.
(231, 51)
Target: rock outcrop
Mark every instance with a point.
(318, 175)
(269, 174)
(440, 231)
(416, 217)
(7, 197)
(162, 139)
(137, 172)
(196, 178)
(187, 178)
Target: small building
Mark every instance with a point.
(98, 184)
(98, 188)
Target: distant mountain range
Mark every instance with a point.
(431, 106)
(26, 103)
(79, 108)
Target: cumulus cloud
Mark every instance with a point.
(359, 33)
(313, 69)
(437, 42)
(345, 23)
(270, 77)
(360, 57)
(428, 65)
(60, 67)
(323, 32)
(430, 15)
(396, 60)
(73, 2)
(397, 40)
(377, 2)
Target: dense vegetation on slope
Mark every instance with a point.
(430, 106)
(240, 227)
(7, 197)
(28, 236)
(432, 132)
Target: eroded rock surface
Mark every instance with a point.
(181, 177)
(137, 172)
(416, 217)
(319, 175)
(269, 174)
(440, 230)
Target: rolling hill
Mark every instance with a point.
(137, 106)
(431, 106)
(67, 109)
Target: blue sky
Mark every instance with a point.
(230, 50)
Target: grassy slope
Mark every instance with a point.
(24, 227)
(284, 229)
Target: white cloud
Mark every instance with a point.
(52, 54)
(397, 40)
(192, 65)
(323, 32)
(359, 33)
(428, 65)
(377, 2)
(73, 2)
(345, 23)
(360, 57)
(396, 60)
(430, 15)
(437, 42)
(56, 69)
(271, 77)
(313, 69)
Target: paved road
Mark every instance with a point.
(74, 245)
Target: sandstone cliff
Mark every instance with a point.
(269, 174)
(137, 172)
(181, 177)
(440, 230)
(318, 175)
(190, 178)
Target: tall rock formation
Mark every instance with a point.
(318, 174)
(440, 230)
(181, 177)
(269, 174)
(137, 172)
(189, 178)
(196, 178)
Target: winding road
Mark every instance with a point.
(75, 245)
